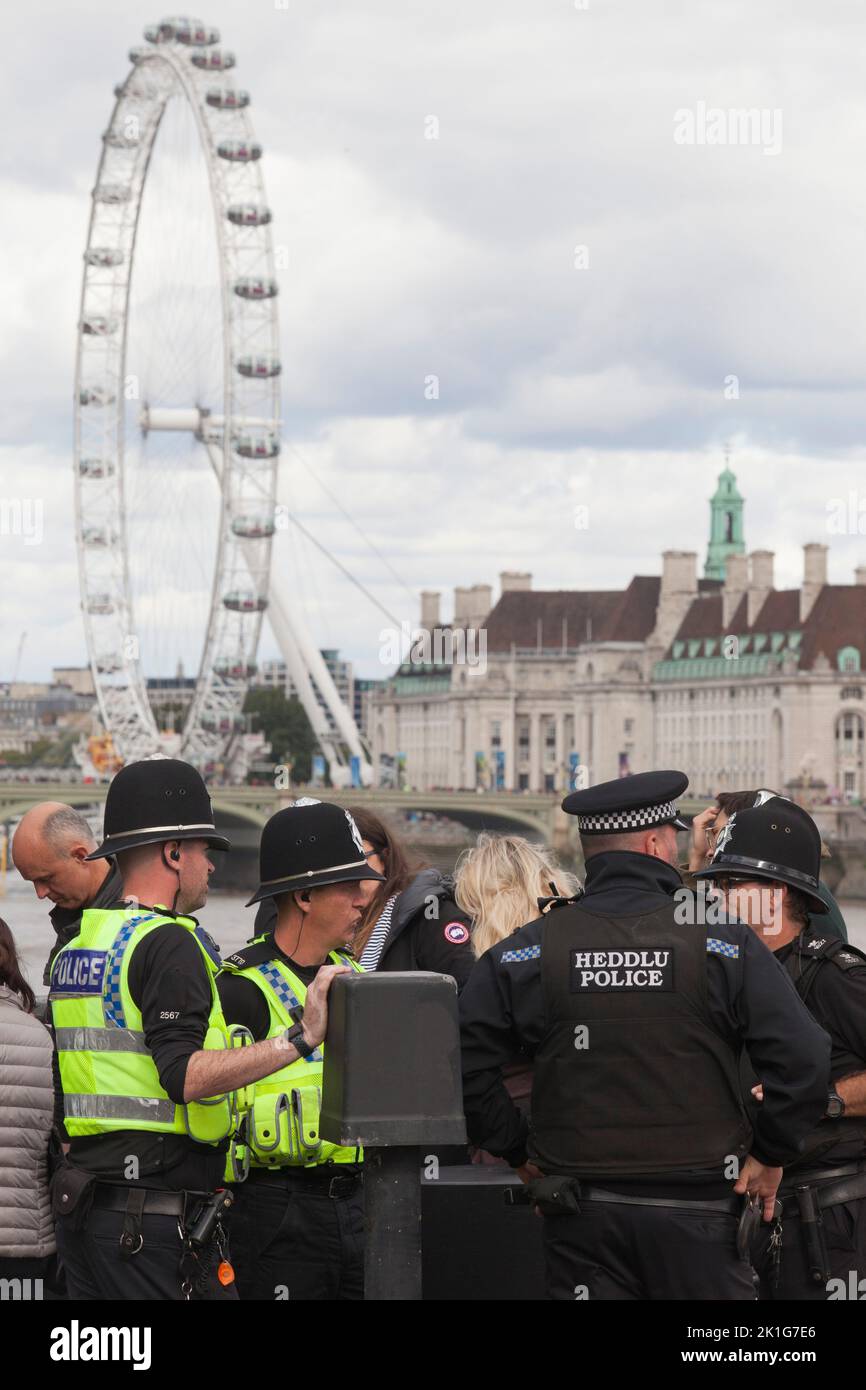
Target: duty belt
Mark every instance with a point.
(325, 1180)
(154, 1202)
(831, 1188)
(814, 1193)
(726, 1206)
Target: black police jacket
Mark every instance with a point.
(750, 1000)
(428, 930)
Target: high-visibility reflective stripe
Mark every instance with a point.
(140, 1108)
(99, 1040)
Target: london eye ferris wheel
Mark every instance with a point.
(177, 404)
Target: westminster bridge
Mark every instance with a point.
(241, 811)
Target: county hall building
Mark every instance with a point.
(725, 676)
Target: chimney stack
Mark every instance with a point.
(736, 585)
(814, 576)
(760, 581)
(430, 609)
(860, 574)
(512, 579)
(679, 589)
(471, 606)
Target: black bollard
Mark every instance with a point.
(392, 1224)
(392, 1084)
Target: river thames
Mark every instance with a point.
(225, 916)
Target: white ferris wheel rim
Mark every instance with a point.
(242, 439)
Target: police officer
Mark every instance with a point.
(768, 862)
(634, 1013)
(297, 1225)
(149, 1085)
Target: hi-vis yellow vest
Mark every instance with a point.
(283, 1118)
(110, 1081)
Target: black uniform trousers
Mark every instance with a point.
(299, 1235)
(845, 1241)
(623, 1253)
(94, 1267)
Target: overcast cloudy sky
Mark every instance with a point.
(561, 382)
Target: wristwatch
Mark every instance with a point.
(295, 1036)
(835, 1106)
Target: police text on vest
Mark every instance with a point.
(605, 971)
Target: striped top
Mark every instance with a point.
(372, 951)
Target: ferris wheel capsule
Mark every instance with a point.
(121, 139)
(139, 90)
(109, 663)
(217, 60)
(136, 54)
(263, 364)
(244, 601)
(98, 325)
(256, 446)
(224, 723)
(99, 536)
(100, 604)
(253, 528)
(103, 255)
(240, 151)
(248, 214)
(192, 31)
(255, 287)
(112, 193)
(95, 468)
(230, 669)
(96, 395)
(227, 98)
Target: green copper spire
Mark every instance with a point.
(726, 525)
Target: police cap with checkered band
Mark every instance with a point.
(629, 804)
(308, 845)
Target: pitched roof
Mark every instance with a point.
(838, 619)
(634, 617)
(549, 618)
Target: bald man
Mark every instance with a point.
(50, 849)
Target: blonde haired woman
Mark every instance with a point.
(497, 885)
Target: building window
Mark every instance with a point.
(848, 659)
(495, 733)
(523, 781)
(849, 730)
(549, 780)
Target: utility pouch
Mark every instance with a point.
(270, 1127)
(71, 1194)
(306, 1102)
(812, 1226)
(750, 1224)
(555, 1196)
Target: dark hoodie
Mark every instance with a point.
(428, 930)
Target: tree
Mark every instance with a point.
(286, 727)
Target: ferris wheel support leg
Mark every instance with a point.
(314, 663)
(298, 672)
(304, 660)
